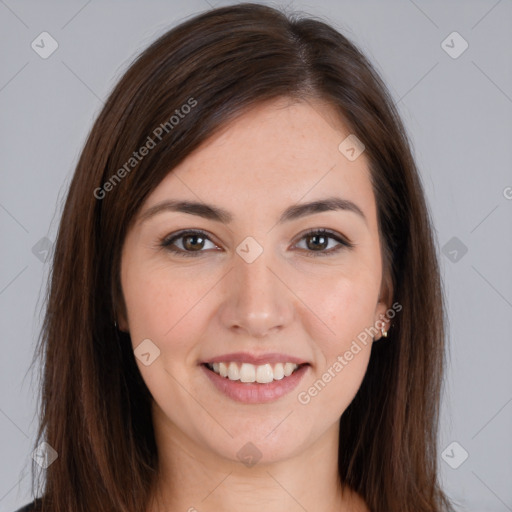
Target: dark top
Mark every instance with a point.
(33, 506)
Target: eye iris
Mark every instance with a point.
(193, 245)
(322, 245)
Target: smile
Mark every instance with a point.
(253, 384)
(247, 372)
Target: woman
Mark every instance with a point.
(245, 305)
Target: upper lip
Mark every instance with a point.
(245, 357)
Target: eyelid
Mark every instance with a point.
(343, 241)
(167, 241)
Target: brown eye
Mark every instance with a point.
(192, 243)
(318, 241)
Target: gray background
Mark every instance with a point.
(458, 113)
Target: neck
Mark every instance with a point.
(194, 478)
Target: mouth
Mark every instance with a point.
(251, 373)
(254, 383)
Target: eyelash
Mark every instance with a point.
(169, 240)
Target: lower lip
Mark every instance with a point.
(254, 392)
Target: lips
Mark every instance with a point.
(244, 357)
(255, 392)
(251, 378)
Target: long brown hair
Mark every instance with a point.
(95, 407)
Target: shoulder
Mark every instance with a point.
(33, 506)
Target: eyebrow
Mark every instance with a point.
(218, 214)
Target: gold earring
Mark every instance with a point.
(384, 333)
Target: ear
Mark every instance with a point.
(118, 308)
(120, 316)
(381, 321)
(122, 323)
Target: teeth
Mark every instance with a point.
(278, 371)
(233, 372)
(288, 368)
(264, 374)
(223, 370)
(247, 372)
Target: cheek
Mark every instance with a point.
(338, 377)
(341, 379)
(157, 299)
(161, 308)
(346, 305)
(146, 304)
(169, 308)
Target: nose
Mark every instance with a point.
(257, 299)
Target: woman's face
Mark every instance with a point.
(254, 290)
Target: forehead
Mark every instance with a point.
(275, 154)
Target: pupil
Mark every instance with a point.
(316, 237)
(191, 245)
